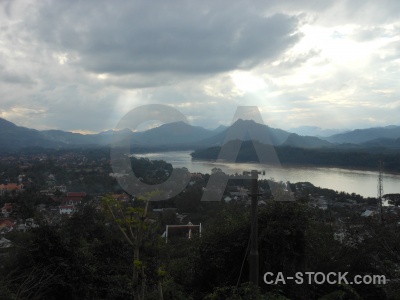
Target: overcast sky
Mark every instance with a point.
(81, 65)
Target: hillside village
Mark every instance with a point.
(54, 186)
(65, 193)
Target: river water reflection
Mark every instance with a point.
(347, 180)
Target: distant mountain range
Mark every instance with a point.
(359, 136)
(295, 140)
(180, 135)
(12, 136)
(247, 130)
(315, 131)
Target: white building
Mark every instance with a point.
(67, 209)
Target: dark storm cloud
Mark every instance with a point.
(158, 36)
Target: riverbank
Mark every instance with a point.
(321, 157)
(349, 180)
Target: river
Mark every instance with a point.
(350, 181)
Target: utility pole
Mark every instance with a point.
(380, 191)
(254, 256)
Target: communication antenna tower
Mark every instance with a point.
(380, 191)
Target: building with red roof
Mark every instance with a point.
(6, 224)
(10, 187)
(76, 194)
(70, 202)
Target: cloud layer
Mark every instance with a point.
(81, 65)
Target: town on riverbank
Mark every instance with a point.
(65, 217)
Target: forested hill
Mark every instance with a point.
(350, 158)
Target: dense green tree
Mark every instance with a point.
(135, 227)
(394, 199)
(80, 259)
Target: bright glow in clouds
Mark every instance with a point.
(339, 46)
(247, 82)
